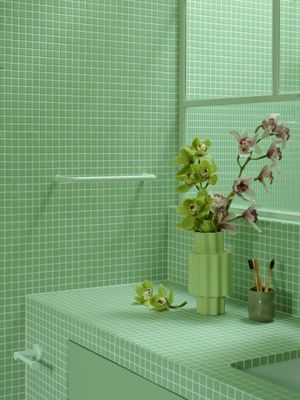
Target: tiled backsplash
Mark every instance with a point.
(278, 240)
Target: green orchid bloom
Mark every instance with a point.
(199, 148)
(186, 156)
(163, 301)
(144, 292)
(185, 175)
(160, 302)
(195, 211)
(194, 172)
(205, 172)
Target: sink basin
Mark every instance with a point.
(284, 373)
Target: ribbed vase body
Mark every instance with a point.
(210, 273)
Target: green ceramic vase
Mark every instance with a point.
(210, 273)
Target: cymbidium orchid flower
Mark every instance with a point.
(224, 217)
(219, 200)
(274, 153)
(269, 124)
(186, 156)
(209, 212)
(199, 148)
(241, 186)
(159, 303)
(250, 215)
(194, 209)
(265, 173)
(144, 292)
(204, 172)
(246, 145)
(162, 301)
(282, 133)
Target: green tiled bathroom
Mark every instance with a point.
(97, 99)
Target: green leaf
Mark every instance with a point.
(139, 300)
(187, 223)
(181, 177)
(147, 284)
(185, 156)
(179, 160)
(187, 152)
(183, 188)
(184, 170)
(139, 290)
(203, 192)
(171, 296)
(208, 226)
(214, 167)
(161, 291)
(181, 210)
(203, 213)
(195, 143)
(213, 179)
(197, 225)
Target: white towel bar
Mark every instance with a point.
(74, 179)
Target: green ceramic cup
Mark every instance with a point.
(261, 305)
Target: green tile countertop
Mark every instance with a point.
(189, 353)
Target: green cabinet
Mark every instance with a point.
(92, 377)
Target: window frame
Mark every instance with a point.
(276, 96)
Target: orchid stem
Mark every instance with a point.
(257, 129)
(235, 218)
(244, 165)
(259, 158)
(180, 305)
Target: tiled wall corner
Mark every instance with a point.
(277, 240)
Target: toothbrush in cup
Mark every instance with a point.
(272, 263)
(256, 268)
(251, 266)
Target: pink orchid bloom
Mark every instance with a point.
(274, 153)
(242, 186)
(219, 200)
(224, 218)
(246, 145)
(269, 124)
(250, 215)
(282, 133)
(265, 173)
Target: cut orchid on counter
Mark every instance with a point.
(208, 211)
(162, 301)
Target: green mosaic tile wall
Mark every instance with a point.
(88, 88)
(278, 240)
(229, 48)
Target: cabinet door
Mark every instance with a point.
(92, 377)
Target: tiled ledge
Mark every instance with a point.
(188, 354)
